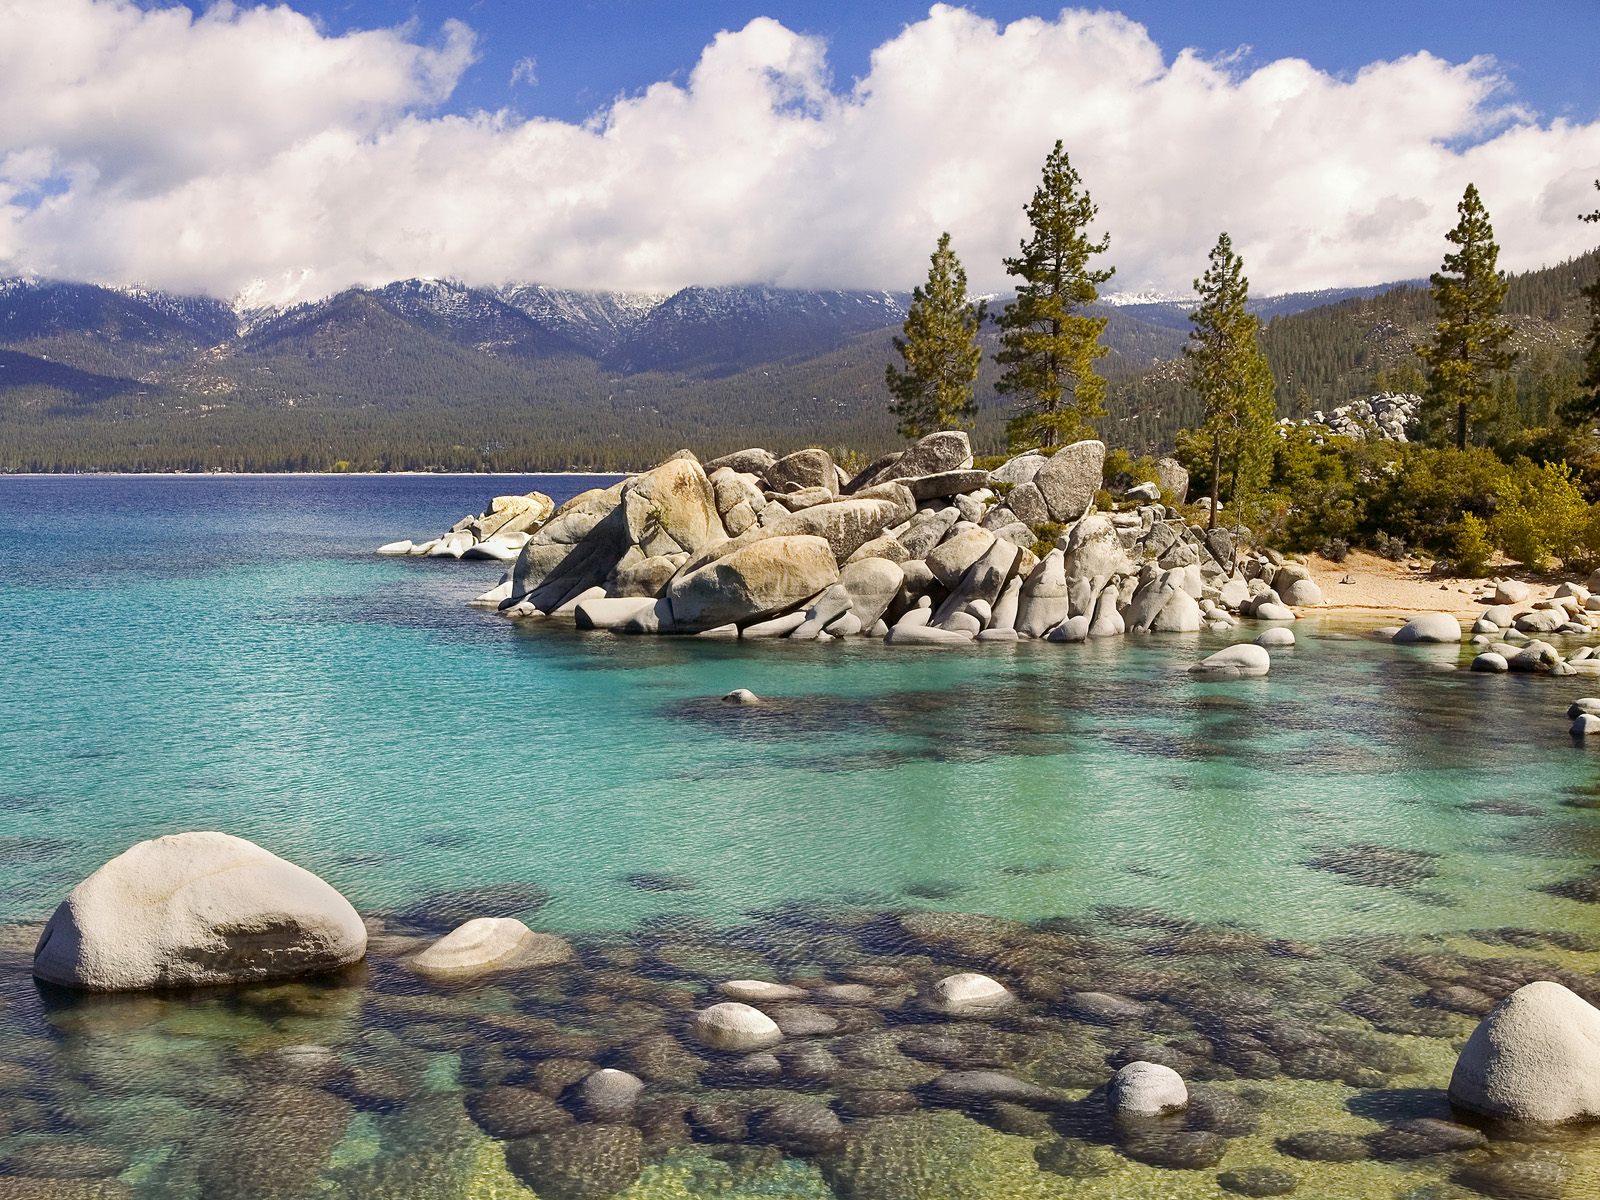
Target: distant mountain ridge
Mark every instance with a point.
(424, 373)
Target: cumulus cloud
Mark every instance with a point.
(249, 149)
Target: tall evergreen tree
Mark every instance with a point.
(940, 350)
(1470, 336)
(1047, 346)
(1590, 403)
(1225, 363)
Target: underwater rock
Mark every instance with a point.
(735, 1027)
(195, 909)
(1258, 1181)
(487, 944)
(582, 1162)
(508, 1113)
(966, 994)
(606, 1095)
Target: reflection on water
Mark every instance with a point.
(1300, 890)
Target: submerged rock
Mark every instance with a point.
(193, 909)
(735, 1026)
(1234, 662)
(967, 994)
(487, 944)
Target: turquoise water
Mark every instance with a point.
(227, 653)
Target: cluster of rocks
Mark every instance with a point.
(499, 532)
(588, 1063)
(1509, 634)
(918, 548)
(1391, 416)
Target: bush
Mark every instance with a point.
(1472, 547)
(1044, 538)
(1392, 548)
(1335, 549)
(1541, 515)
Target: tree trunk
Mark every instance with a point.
(1216, 476)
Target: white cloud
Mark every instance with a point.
(247, 147)
(525, 70)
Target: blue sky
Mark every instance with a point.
(282, 152)
(588, 51)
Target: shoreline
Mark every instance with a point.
(303, 474)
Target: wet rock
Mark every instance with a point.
(1073, 1159)
(798, 1126)
(1535, 1057)
(606, 1095)
(1258, 1181)
(968, 1088)
(1323, 1145)
(195, 909)
(64, 1158)
(1376, 866)
(1104, 1008)
(719, 1122)
(581, 1162)
(1220, 1112)
(1146, 1089)
(660, 1059)
(1421, 1137)
(487, 944)
(1180, 1150)
(1537, 1175)
(734, 1026)
(876, 1102)
(967, 994)
(757, 991)
(809, 1066)
(512, 1112)
(804, 1020)
(276, 1144)
(751, 1070)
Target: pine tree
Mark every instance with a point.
(940, 350)
(1469, 343)
(1589, 403)
(1225, 363)
(1047, 346)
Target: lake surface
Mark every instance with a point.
(227, 653)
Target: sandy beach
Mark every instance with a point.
(1368, 583)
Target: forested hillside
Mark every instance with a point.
(424, 374)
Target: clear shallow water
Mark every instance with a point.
(227, 653)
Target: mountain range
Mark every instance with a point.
(433, 374)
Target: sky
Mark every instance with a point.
(279, 153)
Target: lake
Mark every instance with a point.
(1304, 887)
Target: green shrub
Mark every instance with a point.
(1044, 538)
(1542, 515)
(1335, 549)
(1472, 548)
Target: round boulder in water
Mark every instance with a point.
(197, 909)
(735, 1027)
(966, 994)
(1278, 637)
(487, 944)
(1535, 1057)
(741, 696)
(1429, 627)
(1240, 661)
(1146, 1089)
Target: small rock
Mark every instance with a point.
(735, 1027)
(741, 696)
(1146, 1089)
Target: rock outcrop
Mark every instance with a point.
(920, 547)
(499, 531)
(196, 909)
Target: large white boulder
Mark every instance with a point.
(1429, 627)
(734, 1026)
(1146, 1089)
(1535, 1057)
(194, 909)
(487, 944)
(1234, 662)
